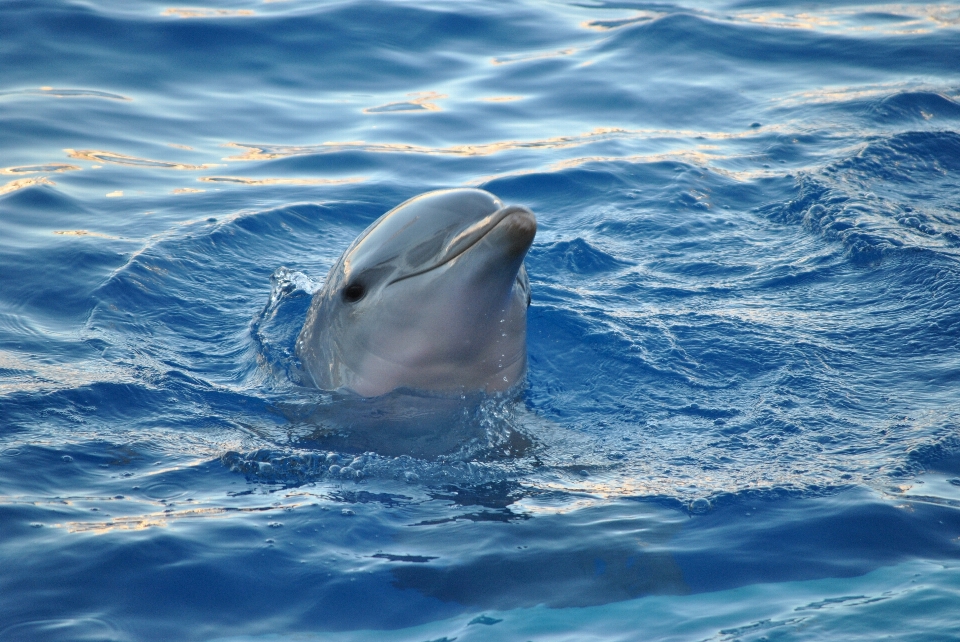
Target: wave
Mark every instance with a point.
(897, 193)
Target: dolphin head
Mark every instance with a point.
(432, 296)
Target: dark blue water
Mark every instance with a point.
(742, 414)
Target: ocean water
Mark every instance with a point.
(741, 419)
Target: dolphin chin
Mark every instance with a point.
(432, 296)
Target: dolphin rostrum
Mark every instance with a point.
(432, 296)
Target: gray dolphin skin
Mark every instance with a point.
(432, 296)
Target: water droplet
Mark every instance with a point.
(346, 512)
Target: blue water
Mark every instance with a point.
(742, 413)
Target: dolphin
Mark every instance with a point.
(432, 296)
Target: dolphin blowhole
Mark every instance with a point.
(432, 296)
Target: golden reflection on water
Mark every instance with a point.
(840, 94)
(825, 95)
(701, 157)
(690, 156)
(163, 519)
(51, 168)
(22, 183)
(419, 101)
(613, 486)
(889, 19)
(881, 18)
(501, 99)
(187, 190)
(139, 522)
(200, 12)
(281, 181)
(102, 156)
(269, 152)
(84, 233)
(796, 21)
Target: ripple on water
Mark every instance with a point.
(163, 490)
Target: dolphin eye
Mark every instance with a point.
(354, 292)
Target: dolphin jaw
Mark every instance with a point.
(376, 376)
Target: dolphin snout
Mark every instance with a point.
(517, 229)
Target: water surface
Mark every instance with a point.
(741, 414)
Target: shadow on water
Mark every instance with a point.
(407, 423)
(627, 549)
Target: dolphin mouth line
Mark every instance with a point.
(493, 221)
